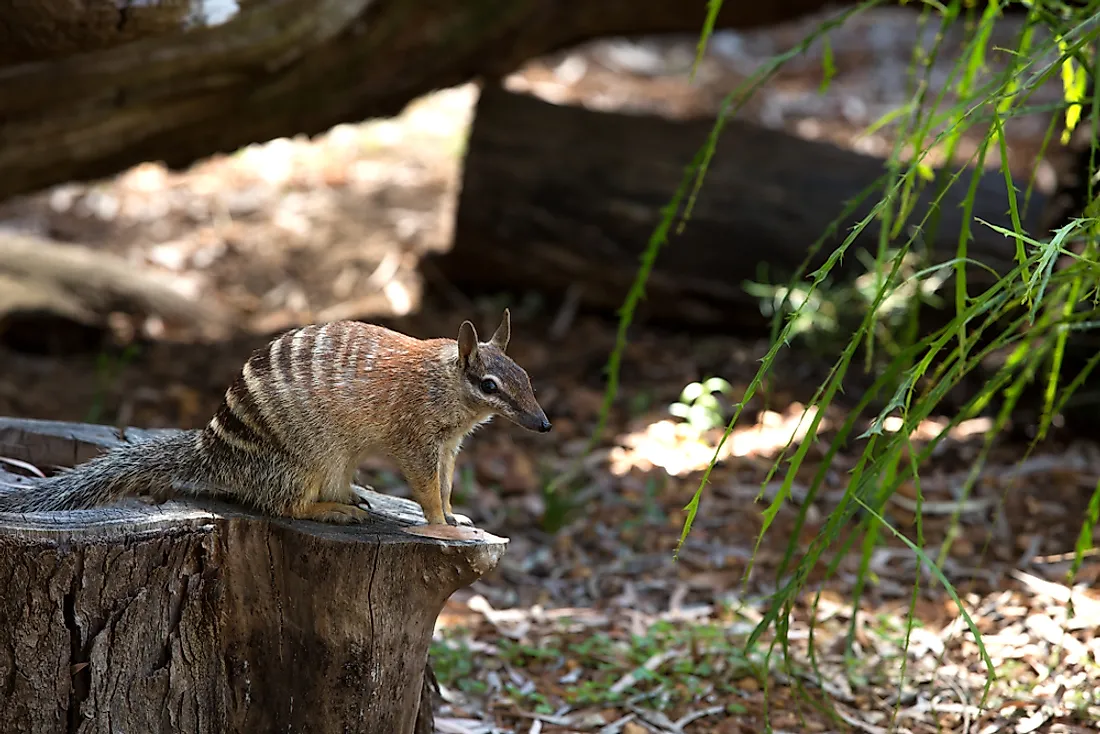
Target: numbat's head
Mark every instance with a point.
(492, 382)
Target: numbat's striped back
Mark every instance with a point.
(284, 387)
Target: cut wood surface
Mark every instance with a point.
(558, 197)
(201, 617)
(276, 68)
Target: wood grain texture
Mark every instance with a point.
(198, 617)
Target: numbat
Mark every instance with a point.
(302, 414)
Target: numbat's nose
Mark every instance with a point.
(545, 426)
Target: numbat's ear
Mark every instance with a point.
(467, 342)
(503, 332)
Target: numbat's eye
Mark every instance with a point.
(488, 386)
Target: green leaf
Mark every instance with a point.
(828, 65)
(680, 410)
(713, 6)
(717, 384)
(1074, 84)
(691, 392)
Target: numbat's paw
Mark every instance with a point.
(336, 513)
(457, 519)
(353, 515)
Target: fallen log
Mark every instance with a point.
(203, 617)
(276, 68)
(49, 288)
(559, 197)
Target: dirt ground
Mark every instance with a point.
(589, 624)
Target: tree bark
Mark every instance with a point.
(278, 68)
(200, 617)
(31, 31)
(557, 197)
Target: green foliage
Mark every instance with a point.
(687, 191)
(826, 316)
(1074, 83)
(1084, 539)
(1028, 313)
(676, 662)
(453, 664)
(699, 407)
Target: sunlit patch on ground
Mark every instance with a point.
(680, 448)
(930, 428)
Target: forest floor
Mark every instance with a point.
(589, 624)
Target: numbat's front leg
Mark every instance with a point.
(446, 485)
(421, 471)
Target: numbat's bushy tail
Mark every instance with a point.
(301, 416)
(146, 468)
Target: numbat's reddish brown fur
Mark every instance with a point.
(303, 413)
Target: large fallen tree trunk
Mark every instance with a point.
(558, 197)
(277, 68)
(188, 617)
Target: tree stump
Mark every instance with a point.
(203, 617)
(558, 197)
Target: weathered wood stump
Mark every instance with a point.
(202, 617)
(557, 197)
